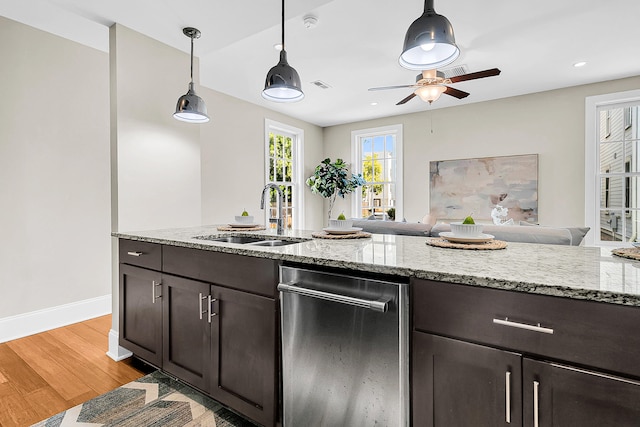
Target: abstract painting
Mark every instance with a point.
(459, 188)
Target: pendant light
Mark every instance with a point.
(429, 43)
(283, 82)
(190, 107)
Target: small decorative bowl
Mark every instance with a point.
(244, 219)
(466, 230)
(340, 223)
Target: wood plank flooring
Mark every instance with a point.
(50, 372)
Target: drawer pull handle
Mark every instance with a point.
(507, 381)
(134, 253)
(536, 328)
(536, 386)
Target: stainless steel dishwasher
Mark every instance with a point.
(345, 350)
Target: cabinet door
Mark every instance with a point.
(186, 330)
(141, 313)
(459, 384)
(557, 396)
(244, 353)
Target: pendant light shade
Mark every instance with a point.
(190, 107)
(429, 42)
(283, 82)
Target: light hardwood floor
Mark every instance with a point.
(47, 373)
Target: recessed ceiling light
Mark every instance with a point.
(580, 64)
(374, 103)
(278, 46)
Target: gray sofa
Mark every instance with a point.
(509, 233)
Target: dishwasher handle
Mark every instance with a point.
(380, 305)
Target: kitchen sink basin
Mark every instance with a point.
(235, 239)
(274, 243)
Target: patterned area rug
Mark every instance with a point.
(153, 400)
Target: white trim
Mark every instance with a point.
(116, 352)
(592, 103)
(26, 324)
(356, 165)
(297, 152)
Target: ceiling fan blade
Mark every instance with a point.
(391, 87)
(407, 99)
(477, 75)
(456, 93)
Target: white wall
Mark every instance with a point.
(233, 159)
(158, 157)
(550, 124)
(54, 172)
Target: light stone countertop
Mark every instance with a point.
(577, 272)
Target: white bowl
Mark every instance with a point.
(340, 223)
(244, 219)
(466, 230)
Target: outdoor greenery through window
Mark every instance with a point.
(619, 173)
(378, 157)
(282, 169)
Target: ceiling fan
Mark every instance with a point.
(430, 84)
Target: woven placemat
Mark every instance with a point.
(631, 253)
(441, 242)
(325, 235)
(229, 228)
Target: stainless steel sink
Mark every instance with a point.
(274, 243)
(234, 239)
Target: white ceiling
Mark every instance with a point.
(356, 45)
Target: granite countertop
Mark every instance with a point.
(587, 273)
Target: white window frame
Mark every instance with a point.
(593, 104)
(356, 164)
(297, 154)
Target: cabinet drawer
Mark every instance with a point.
(584, 332)
(256, 275)
(142, 254)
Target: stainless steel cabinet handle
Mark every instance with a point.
(201, 310)
(507, 394)
(134, 253)
(379, 305)
(536, 386)
(211, 312)
(536, 328)
(154, 297)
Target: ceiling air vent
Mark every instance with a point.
(321, 84)
(455, 71)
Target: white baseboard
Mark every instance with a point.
(26, 324)
(116, 352)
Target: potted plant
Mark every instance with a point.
(332, 179)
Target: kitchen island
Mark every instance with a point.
(528, 335)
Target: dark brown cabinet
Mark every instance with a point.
(207, 318)
(141, 312)
(187, 330)
(459, 384)
(485, 357)
(558, 395)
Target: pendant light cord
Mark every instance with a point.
(283, 25)
(191, 58)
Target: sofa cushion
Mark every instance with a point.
(517, 233)
(393, 227)
(577, 233)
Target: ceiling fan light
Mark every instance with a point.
(430, 93)
(429, 42)
(191, 108)
(283, 82)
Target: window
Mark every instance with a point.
(377, 155)
(283, 157)
(612, 152)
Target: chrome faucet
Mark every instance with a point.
(279, 220)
